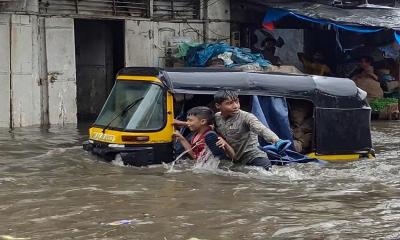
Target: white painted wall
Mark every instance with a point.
(194, 31)
(25, 94)
(146, 42)
(220, 10)
(5, 70)
(163, 31)
(31, 53)
(138, 43)
(60, 52)
(219, 32)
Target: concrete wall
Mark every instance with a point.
(25, 93)
(146, 43)
(138, 43)
(37, 58)
(219, 15)
(60, 55)
(19, 6)
(5, 70)
(25, 85)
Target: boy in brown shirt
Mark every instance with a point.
(240, 130)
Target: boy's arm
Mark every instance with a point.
(179, 123)
(260, 129)
(226, 147)
(229, 151)
(185, 143)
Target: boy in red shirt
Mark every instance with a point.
(204, 139)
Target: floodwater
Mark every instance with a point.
(51, 189)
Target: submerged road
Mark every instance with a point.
(51, 189)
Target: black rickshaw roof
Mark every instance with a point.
(323, 91)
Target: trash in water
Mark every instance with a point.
(122, 222)
(129, 221)
(8, 237)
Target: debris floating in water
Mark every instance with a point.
(128, 221)
(8, 237)
(122, 222)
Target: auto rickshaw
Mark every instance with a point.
(136, 122)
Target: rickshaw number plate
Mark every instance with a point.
(103, 137)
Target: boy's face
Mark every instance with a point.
(195, 123)
(229, 107)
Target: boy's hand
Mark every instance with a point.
(274, 141)
(177, 135)
(221, 143)
(179, 123)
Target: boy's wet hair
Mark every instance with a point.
(223, 95)
(202, 112)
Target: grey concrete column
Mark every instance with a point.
(61, 70)
(5, 70)
(139, 46)
(44, 84)
(25, 85)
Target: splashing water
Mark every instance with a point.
(118, 161)
(207, 162)
(171, 169)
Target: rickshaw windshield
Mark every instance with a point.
(134, 105)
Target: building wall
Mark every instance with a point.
(5, 70)
(219, 15)
(19, 6)
(157, 38)
(19, 79)
(61, 70)
(248, 17)
(25, 84)
(37, 57)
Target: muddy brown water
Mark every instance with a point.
(51, 189)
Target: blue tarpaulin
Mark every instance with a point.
(280, 154)
(199, 55)
(273, 113)
(397, 37)
(274, 15)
